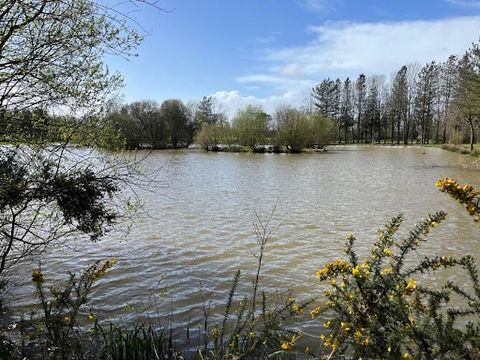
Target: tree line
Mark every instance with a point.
(436, 103)
(439, 102)
(173, 124)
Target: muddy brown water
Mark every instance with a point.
(198, 226)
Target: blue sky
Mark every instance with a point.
(271, 52)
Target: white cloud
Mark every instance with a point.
(233, 101)
(290, 69)
(350, 48)
(341, 49)
(284, 79)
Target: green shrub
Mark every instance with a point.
(379, 309)
(62, 308)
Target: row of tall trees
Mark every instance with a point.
(439, 102)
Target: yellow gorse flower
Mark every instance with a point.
(287, 345)
(464, 194)
(37, 277)
(387, 270)
(362, 270)
(411, 286)
(315, 312)
(107, 265)
(366, 341)
(388, 252)
(297, 309)
(356, 271)
(357, 336)
(333, 268)
(330, 342)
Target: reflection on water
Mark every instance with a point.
(198, 229)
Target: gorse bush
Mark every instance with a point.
(378, 308)
(465, 194)
(62, 307)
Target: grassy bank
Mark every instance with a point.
(461, 149)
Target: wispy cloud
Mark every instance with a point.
(465, 3)
(320, 6)
(350, 48)
(341, 49)
(267, 39)
(285, 78)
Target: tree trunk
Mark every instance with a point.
(472, 134)
(406, 130)
(444, 132)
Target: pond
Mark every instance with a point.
(197, 228)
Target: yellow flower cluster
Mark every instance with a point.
(330, 341)
(387, 270)
(465, 194)
(362, 270)
(215, 332)
(344, 326)
(297, 309)
(411, 286)
(287, 345)
(360, 337)
(388, 252)
(333, 268)
(350, 237)
(315, 312)
(37, 277)
(107, 265)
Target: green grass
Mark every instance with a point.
(463, 149)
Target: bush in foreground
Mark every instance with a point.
(379, 308)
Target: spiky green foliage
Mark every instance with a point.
(380, 308)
